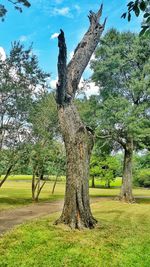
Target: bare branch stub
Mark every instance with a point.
(69, 75)
(62, 77)
(84, 51)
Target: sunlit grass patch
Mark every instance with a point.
(18, 193)
(121, 239)
(14, 194)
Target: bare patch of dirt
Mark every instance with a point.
(10, 218)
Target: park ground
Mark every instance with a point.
(120, 239)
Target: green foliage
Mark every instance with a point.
(87, 109)
(95, 168)
(142, 160)
(20, 77)
(141, 171)
(142, 178)
(106, 169)
(43, 117)
(46, 153)
(109, 168)
(121, 69)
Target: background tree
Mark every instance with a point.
(78, 139)
(44, 127)
(141, 171)
(17, 5)
(121, 69)
(95, 169)
(109, 169)
(21, 82)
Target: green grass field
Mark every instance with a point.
(18, 193)
(121, 239)
(27, 177)
(98, 181)
(15, 193)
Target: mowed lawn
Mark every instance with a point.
(16, 192)
(121, 239)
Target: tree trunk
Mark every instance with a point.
(6, 176)
(126, 189)
(55, 182)
(93, 182)
(78, 142)
(107, 184)
(77, 138)
(33, 191)
(37, 186)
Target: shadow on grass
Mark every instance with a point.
(104, 187)
(142, 200)
(27, 201)
(15, 201)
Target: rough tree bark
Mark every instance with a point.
(126, 189)
(77, 138)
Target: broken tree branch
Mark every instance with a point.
(84, 51)
(62, 77)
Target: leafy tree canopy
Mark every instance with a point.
(121, 69)
(21, 84)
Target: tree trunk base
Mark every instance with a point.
(127, 199)
(77, 223)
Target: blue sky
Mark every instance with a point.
(45, 17)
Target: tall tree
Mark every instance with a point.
(121, 69)
(43, 120)
(21, 81)
(78, 139)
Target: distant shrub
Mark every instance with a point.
(142, 178)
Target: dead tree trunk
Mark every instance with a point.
(78, 139)
(126, 189)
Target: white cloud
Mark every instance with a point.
(54, 35)
(92, 89)
(88, 72)
(92, 58)
(71, 55)
(64, 11)
(53, 83)
(89, 88)
(23, 38)
(2, 54)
